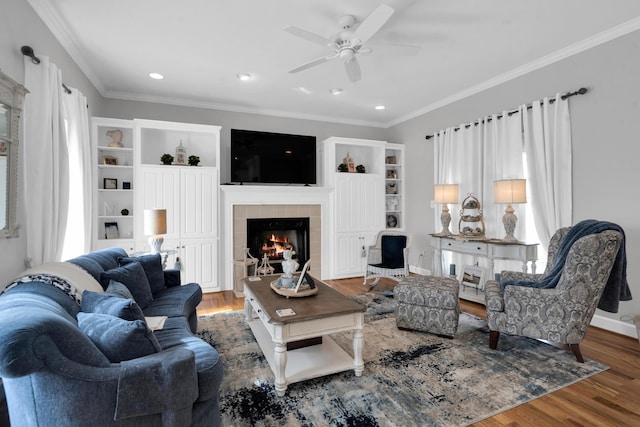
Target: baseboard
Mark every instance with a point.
(419, 270)
(613, 325)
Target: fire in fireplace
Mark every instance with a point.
(272, 236)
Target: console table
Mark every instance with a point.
(491, 249)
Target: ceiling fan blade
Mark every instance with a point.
(373, 23)
(353, 70)
(307, 35)
(313, 63)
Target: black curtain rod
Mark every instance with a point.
(580, 91)
(28, 51)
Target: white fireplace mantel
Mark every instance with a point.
(232, 195)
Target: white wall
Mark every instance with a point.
(605, 142)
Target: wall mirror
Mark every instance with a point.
(11, 98)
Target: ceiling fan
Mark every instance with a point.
(349, 43)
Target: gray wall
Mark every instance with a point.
(605, 140)
(19, 26)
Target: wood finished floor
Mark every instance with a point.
(611, 398)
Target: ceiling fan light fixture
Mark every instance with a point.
(156, 76)
(244, 77)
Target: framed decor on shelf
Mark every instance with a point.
(392, 188)
(109, 160)
(392, 174)
(111, 230)
(472, 276)
(110, 183)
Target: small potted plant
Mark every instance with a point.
(194, 160)
(342, 167)
(166, 159)
(361, 169)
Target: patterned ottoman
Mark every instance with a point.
(428, 303)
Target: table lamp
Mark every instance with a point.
(444, 194)
(510, 191)
(155, 225)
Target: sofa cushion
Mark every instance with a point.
(133, 277)
(117, 289)
(117, 338)
(176, 333)
(113, 305)
(177, 301)
(98, 261)
(152, 266)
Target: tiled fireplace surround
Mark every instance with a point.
(242, 202)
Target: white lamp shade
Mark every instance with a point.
(445, 193)
(155, 222)
(510, 191)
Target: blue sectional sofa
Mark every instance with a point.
(76, 349)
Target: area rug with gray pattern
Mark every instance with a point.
(410, 378)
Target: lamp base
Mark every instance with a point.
(445, 220)
(509, 221)
(156, 244)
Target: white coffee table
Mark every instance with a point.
(325, 313)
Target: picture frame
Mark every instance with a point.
(392, 221)
(392, 174)
(109, 160)
(126, 185)
(110, 183)
(111, 230)
(473, 276)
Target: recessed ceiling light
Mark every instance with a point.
(304, 90)
(380, 107)
(336, 91)
(156, 76)
(244, 77)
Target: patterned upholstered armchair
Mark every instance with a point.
(561, 314)
(389, 257)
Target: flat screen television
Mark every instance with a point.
(272, 158)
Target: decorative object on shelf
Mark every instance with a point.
(110, 183)
(155, 225)
(111, 230)
(348, 160)
(342, 167)
(124, 212)
(390, 160)
(177, 265)
(126, 185)
(510, 191)
(392, 221)
(471, 214)
(109, 160)
(110, 208)
(194, 160)
(116, 138)
(181, 155)
(392, 203)
(361, 169)
(445, 194)
(473, 276)
(289, 265)
(166, 159)
(265, 268)
(392, 188)
(392, 174)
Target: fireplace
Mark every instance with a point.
(272, 236)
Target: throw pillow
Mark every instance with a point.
(105, 303)
(117, 289)
(152, 266)
(118, 339)
(133, 277)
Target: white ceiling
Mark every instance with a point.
(201, 45)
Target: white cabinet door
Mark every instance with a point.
(158, 187)
(199, 202)
(359, 202)
(199, 263)
(350, 253)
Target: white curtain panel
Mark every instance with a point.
(547, 144)
(45, 163)
(79, 223)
